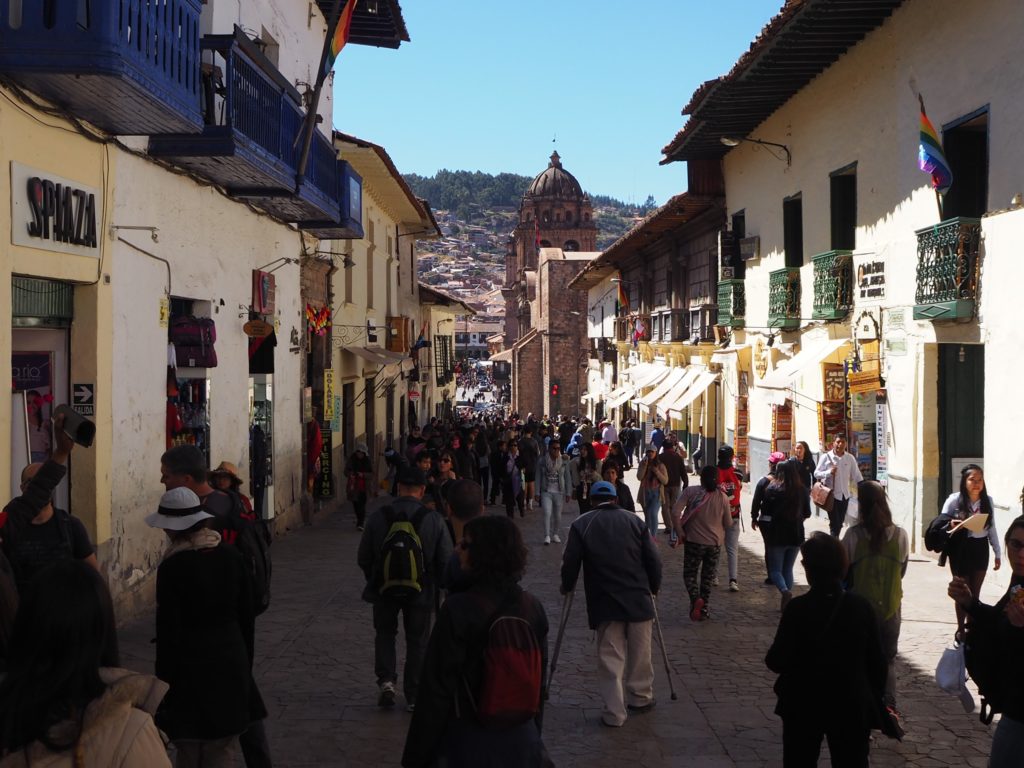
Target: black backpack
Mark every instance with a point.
(936, 535)
(251, 538)
(399, 568)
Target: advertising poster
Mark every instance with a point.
(32, 375)
(834, 378)
(324, 487)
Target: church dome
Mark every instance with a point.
(555, 181)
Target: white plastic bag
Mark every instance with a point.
(951, 675)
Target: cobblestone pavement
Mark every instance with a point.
(315, 667)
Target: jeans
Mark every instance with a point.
(780, 565)
(651, 502)
(416, 620)
(837, 516)
(1007, 743)
(485, 479)
(732, 541)
(551, 505)
(672, 493)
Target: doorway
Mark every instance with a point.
(961, 400)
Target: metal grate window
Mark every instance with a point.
(41, 302)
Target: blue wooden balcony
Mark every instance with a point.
(317, 198)
(126, 66)
(248, 141)
(349, 225)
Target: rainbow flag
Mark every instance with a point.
(930, 157)
(621, 299)
(340, 36)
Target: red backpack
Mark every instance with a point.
(510, 686)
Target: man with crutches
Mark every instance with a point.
(621, 574)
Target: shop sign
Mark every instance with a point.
(750, 248)
(870, 279)
(328, 394)
(834, 378)
(864, 381)
(324, 486)
(165, 311)
(257, 329)
(53, 213)
(881, 440)
(760, 358)
(336, 420)
(414, 395)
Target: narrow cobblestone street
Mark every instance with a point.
(315, 667)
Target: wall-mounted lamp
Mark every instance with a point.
(771, 339)
(731, 141)
(618, 280)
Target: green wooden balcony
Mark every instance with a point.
(732, 303)
(833, 285)
(947, 270)
(784, 298)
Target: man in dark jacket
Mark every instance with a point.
(437, 548)
(621, 573)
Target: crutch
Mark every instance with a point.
(664, 653)
(566, 608)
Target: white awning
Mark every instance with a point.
(368, 354)
(502, 357)
(789, 371)
(667, 382)
(700, 385)
(618, 397)
(652, 376)
(723, 355)
(638, 371)
(595, 396)
(677, 391)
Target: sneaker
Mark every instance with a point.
(697, 609)
(705, 613)
(387, 695)
(733, 586)
(641, 709)
(557, 539)
(547, 540)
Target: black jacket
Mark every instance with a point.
(786, 527)
(829, 659)
(204, 644)
(1007, 642)
(621, 565)
(444, 723)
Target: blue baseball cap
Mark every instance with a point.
(603, 488)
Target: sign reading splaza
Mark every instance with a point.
(52, 213)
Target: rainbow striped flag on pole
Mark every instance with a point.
(930, 157)
(621, 299)
(340, 37)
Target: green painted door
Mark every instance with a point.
(961, 411)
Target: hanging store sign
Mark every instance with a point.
(328, 394)
(257, 329)
(52, 213)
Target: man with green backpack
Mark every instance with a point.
(402, 554)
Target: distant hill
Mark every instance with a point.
(473, 195)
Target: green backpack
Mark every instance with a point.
(400, 560)
(877, 576)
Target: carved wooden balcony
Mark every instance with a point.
(784, 298)
(948, 266)
(833, 285)
(732, 303)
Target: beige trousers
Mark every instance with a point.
(625, 674)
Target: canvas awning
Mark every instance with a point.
(667, 383)
(651, 376)
(789, 371)
(677, 391)
(501, 357)
(723, 355)
(368, 354)
(699, 386)
(618, 397)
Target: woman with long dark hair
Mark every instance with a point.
(445, 723)
(786, 503)
(967, 549)
(878, 552)
(63, 693)
(583, 471)
(701, 526)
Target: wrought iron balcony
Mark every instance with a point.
(247, 144)
(732, 303)
(126, 66)
(784, 298)
(947, 270)
(833, 285)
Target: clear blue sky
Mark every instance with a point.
(485, 85)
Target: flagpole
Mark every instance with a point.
(938, 197)
(309, 124)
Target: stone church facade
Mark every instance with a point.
(545, 321)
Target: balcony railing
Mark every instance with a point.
(246, 145)
(732, 303)
(947, 270)
(626, 327)
(833, 285)
(784, 298)
(126, 66)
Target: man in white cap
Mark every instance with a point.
(621, 574)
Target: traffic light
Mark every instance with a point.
(554, 389)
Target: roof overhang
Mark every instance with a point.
(678, 212)
(375, 22)
(383, 180)
(430, 295)
(798, 44)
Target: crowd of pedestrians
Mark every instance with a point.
(477, 665)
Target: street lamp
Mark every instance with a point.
(731, 141)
